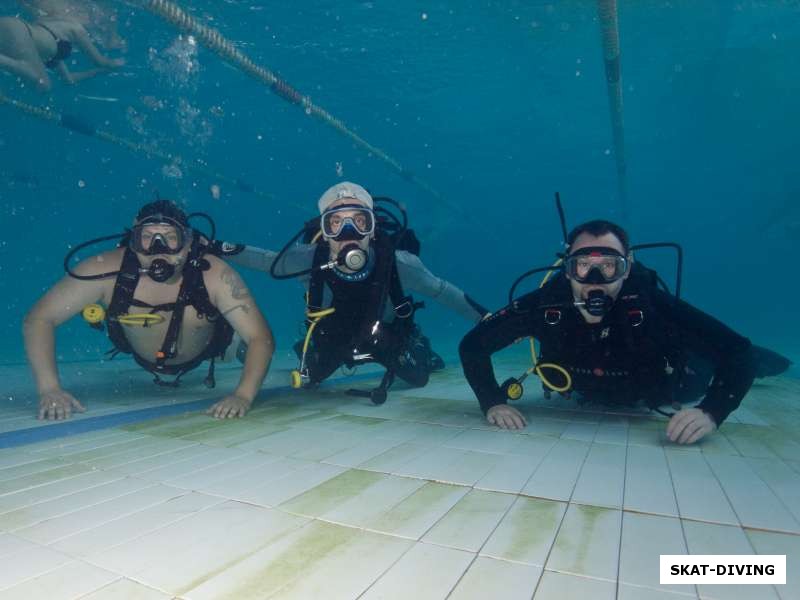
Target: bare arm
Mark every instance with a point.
(84, 42)
(231, 296)
(63, 301)
(77, 76)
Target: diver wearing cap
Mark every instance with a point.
(359, 261)
(163, 299)
(607, 332)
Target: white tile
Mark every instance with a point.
(425, 572)
(143, 450)
(294, 483)
(391, 460)
(129, 527)
(42, 478)
(630, 592)
(484, 441)
(12, 457)
(64, 446)
(647, 432)
(648, 482)
(319, 560)
(57, 489)
(509, 474)
(363, 451)
(31, 467)
(11, 544)
(237, 486)
(96, 514)
(691, 475)
(708, 538)
(563, 586)
(781, 479)
(162, 460)
(373, 502)
(418, 512)
(205, 458)
(329, 444)
(469, 468)
(489, 578)
(556, 476)
(120, 446)
(583, 432)
(177, 557)
(71, 580)
(51, 509)
(644, 539)
(527, 532)
(125, 589)
(471, 521)
(612, 431)
(282, 443)
(213, 477)
(449, 465)
(534, 446)
(717, 443)
(29, 562)
(587, 543)
(766, 542)
(328, 495)
(754, 502)
(602, 477)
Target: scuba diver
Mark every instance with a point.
(163, 299)
(609, 333)
(358, 261)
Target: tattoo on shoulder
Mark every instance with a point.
(235, 284)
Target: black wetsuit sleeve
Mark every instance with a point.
(729, 352)
(491, 335)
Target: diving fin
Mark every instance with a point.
(769, 363)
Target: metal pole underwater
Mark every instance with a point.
(609, 25)
(214, 41)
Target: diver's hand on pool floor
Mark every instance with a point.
(230, 407)
(505, 417)
(58, 405)
(689, 425)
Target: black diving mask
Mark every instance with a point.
(159, 235)
(596, 265)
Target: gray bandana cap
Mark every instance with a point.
(344, 191)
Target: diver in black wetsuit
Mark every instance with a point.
(616, 338)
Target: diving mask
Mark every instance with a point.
(596, 264)
(159, 235)
(348, 222)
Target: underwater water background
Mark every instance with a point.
(496, 104)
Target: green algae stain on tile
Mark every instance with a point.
(332, 493)
(416, 513)
(357, 420)
(533, 525)
(580, 538)
(314, 543)
(235, 433)
(42, 478)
